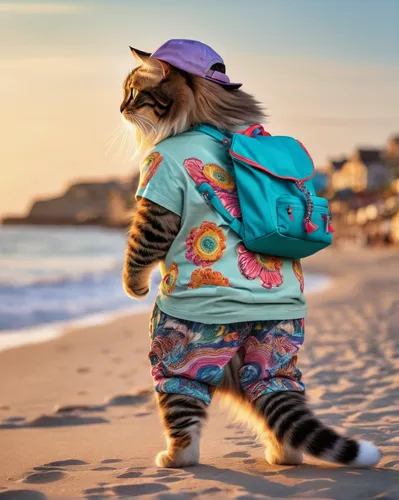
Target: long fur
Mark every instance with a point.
(162, 101)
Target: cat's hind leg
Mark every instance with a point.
(281, 453)
(272, 383)
(183, 418)
(231, 391)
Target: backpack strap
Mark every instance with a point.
(214, 132)
(211, 198)
(255, 130)
(207, 192)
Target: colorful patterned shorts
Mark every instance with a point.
(189, 358)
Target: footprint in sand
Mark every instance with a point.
(79, 408)
(50, 476)
(42, 468)
(139, 397)
(63, 348)
(134, 490)
(237, 454)
(392, 464)
(128, 490)
(104, 468)
(209, 491)
(130, 475)
(111, 461)
(249, 461)
(64, 420)
(95, 491)
(170, 479)
(162, 473)
(83, 369)
(66, 463)
(22, 495)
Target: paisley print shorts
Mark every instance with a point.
(189, 358)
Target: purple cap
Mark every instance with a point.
(195, 58)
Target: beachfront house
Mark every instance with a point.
(391, 156)
(364, 170)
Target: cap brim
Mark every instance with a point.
(229, 85)
(232, 86)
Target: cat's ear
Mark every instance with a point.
(139, 55)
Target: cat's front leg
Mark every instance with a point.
(152, 232)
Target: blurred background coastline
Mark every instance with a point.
(363, 189)
(60, 264)
(68, 173)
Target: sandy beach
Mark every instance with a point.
(78, 419)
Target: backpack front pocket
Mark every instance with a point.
(291, 215)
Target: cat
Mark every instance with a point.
(161, 101)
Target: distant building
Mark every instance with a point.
(337, 164)
(391, 156)
(365, 170)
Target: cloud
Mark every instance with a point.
(39, 8)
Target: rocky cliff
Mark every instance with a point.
(108, 203)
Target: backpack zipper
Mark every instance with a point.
(327, 220)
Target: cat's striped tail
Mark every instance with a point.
(294, 425)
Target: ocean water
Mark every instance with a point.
(52, 277)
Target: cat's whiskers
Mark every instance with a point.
(113, 139)
(148, 121)
(131, 138)
(146, 136)
(140, 134)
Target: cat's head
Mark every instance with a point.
(161, 100)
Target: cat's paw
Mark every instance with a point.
(135, 293)
(283, 456)
(184, 459)
(164, 460)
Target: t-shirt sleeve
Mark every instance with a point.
(161, 182)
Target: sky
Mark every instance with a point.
(326, 70)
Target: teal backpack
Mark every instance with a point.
(281, 214)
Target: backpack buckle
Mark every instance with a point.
(206, 192)
(205, 197)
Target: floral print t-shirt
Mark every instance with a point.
(208, 274)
